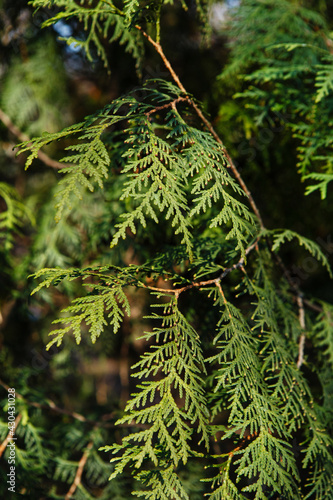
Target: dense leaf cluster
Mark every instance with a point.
(150, 206)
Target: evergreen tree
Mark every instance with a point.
(146, 208)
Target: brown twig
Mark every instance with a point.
(23, 137)
(79, 472)
(10, 434)
(300, 303)
(312, 306)
(171, 104)
(165, 60)
(200, 284)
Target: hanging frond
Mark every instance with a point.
(161, 484)
(104, 300)
(322, 182)
(177, 358)
(87, 167)
(13, 215)
(309, 245)
(324, 331)
(98, 19)
(324, 80)
(268, 456)
(291, 389)
(155, 178)
(222, 485)
(207, 165)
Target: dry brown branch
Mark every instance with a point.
(79, 472)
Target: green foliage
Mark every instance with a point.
(281, 22)
(178, 358)
(156, 170)
(109, 21)
(104, 296)
(309, 245)
(98, 20)
(35, 107)
(158, 182)
(247, 400)
(323, 330)
(294, 50)
(13, 216)
(230, 394)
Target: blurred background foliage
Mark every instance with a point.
(46, 85)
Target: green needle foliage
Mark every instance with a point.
(13, 217)
(291, 78)
(232, 387)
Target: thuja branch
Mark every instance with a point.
(171, 104)
(236, 173)
(209, 126)
(167, 63)
(214, 281)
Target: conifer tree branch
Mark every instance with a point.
(209, 126)
(215, 281)
(250, 394)
(241, 183)
(167, 63)
(79, 472)
(171, 104)
(24, 137)
(10, 434)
